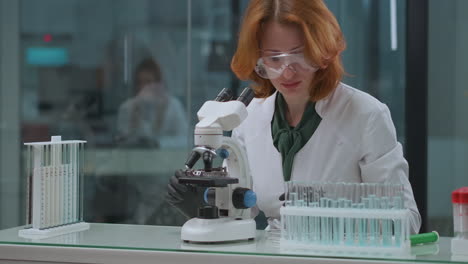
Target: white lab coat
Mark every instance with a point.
(355, 142)
(172, 131)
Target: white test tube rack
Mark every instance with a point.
(55, 178)
(345, 218)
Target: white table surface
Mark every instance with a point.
(112, 243)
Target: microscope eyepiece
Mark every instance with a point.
(224, 96)
(246, 96)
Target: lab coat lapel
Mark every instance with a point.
(266, 160)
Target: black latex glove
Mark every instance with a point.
(282, 198)
(186, 198)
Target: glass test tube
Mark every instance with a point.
(386, 224)
(361, 227)
(81, 163)
(48, 191)
(397, 203)
(349, 225)
(371, 206)
(323, 224)
(29, 182)
(334, 221)
(377, 223)
(341, 236)
(367, 225)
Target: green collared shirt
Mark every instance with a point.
(289, 140)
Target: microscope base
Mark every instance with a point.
(218, 230)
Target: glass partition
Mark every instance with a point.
(113, 73)
(447, 110)
(374, 58)
(83, 65)
(10, 193)
(129, 77)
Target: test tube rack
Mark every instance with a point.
(54, 173)
(349, 218)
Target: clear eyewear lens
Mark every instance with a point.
(272, 67)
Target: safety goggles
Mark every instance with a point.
(273, 66)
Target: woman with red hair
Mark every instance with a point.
(304, 124)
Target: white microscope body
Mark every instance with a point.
(229, 194)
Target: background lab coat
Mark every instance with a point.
(355, 142)
(173, 130)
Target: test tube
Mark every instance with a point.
(335, 232)
(48, 192)
(53, 191)
(29, 182)
(56, 183)
(60, 182)
(310, 226)
(355, 192)
(397, 204)
(50, 167)
(67, 182)
(306, 219)
(293, 196)
(292, 218)
(386, 225)
(349, 226)
(53, 188)
(38, 185)
(81, 182)
(70, 183)
(341, 237)
(323, 223)
(284, 229)
(377, 223)
(42, 191)
(361, 227)
(64, 182)
(74, 181)
(367, 222)
(288, 220)
(315, 224)
(341, 192)
(299, 225)
(372, 221)
(354, 225)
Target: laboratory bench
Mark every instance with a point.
(116, 243)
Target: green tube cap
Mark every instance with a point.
(424, 238)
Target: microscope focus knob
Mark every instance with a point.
(208, 212)
(209, 196)
(222, 153)
(243, 198)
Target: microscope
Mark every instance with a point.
(228, 194)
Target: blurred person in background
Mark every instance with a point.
(153, 117)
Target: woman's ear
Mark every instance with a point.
(326, 62)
